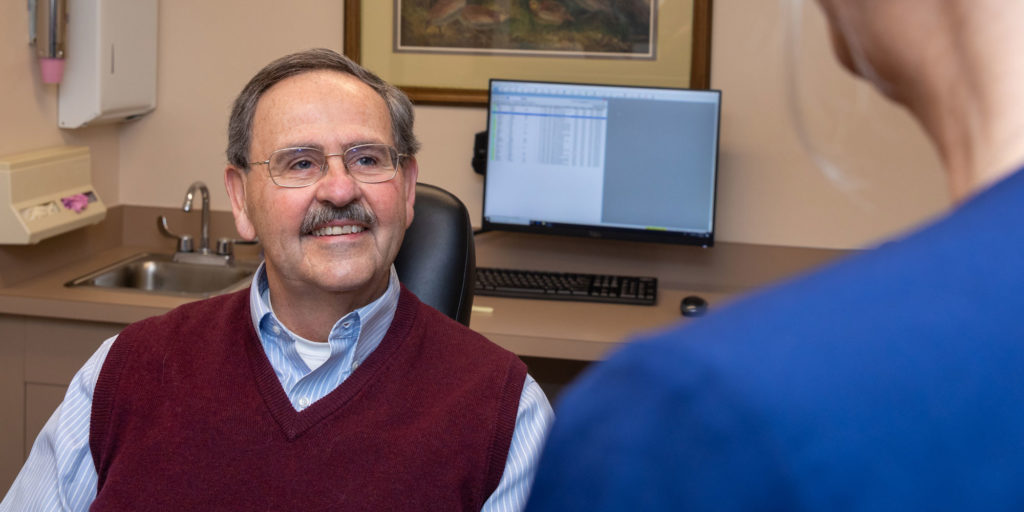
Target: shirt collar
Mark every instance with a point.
(374, 318)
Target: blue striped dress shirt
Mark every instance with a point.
(59, 473)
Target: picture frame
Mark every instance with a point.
(683, 47)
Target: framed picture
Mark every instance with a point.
(445, 51)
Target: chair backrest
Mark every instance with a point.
(437, 260)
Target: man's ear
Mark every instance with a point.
(410, 172)
(234, 181)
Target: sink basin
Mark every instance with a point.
(159, 273)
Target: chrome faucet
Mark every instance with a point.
(204, 239)
(185, 253)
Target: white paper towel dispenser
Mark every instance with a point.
(45, 193)
(110, 70)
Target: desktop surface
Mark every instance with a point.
(587, 331)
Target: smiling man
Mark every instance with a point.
(326, 385)
(322, 261)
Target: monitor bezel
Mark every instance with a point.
(607, 232)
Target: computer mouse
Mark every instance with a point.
(693, 305)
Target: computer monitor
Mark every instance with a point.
(605, 161)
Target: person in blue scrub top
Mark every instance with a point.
(891, 380)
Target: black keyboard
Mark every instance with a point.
(533, 284)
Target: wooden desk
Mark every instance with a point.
(587, 331)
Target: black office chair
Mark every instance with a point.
(437, 260)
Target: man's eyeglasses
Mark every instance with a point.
(302, 167)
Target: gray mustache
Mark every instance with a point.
(323, 213)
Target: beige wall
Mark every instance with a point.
(207, 51)
(28, 108)
(770, 192)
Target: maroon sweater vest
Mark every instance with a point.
(189, 415)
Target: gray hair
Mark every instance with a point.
(244, 109)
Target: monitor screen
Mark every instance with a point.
(622, 162)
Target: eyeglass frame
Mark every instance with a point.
(396, 158)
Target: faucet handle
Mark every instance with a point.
(225, 246)
(161, 224)
(185, 244)
(184, 241)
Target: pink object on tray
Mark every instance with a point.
(76, 203)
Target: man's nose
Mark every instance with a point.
(337, 185)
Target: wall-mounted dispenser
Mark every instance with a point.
(46, 32)
(110, 71)
(45, 193)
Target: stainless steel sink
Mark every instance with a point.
(159, 273)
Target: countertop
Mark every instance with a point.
(527, 327)
(559, 329)
(47, 296)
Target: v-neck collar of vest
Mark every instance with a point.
(294, 423)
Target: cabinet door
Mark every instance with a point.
(12, 398)
(56, 349)
(38, 358)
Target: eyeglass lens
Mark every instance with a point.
(298, 167)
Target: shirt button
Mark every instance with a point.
(346, 324)
(276, 329)
(304, 402)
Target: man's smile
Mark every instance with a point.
(338, 230)
(330, 220)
